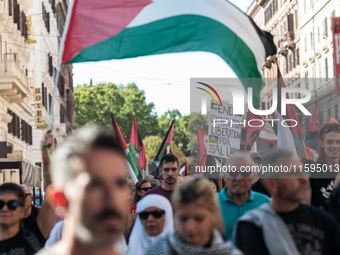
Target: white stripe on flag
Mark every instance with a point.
(131, 172)
(285, 138)
(182, 170)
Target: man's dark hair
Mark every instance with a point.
(13, 188)
(168, 158)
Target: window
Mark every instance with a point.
(319, 35)
(326, 68)
(332, 15)
(50, 65)
(311, 39)
(296, 18)
(305, 44)
(62, 119)
(49, 101)
(329, 113)
(10, 125)
(297, 56)
(325, 27)
(10, 13)
(263, 106)
(42, 94)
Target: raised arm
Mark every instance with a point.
(46, 216)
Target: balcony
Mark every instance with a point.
(13, 80)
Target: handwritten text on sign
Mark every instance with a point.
(224, 140)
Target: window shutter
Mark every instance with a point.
(30, 135)
(18, 127)
(49, 101)
(23, 130)
(45, 98)
(50, 66)
(42, 94)
(48, 21)
(14, 124)
(10, 125)
(10, 12)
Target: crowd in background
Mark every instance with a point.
(99, 212)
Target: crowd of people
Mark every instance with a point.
(294, 212)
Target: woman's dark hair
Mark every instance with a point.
(137, 197)
(13, 188)
(211, 178)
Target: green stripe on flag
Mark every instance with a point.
(133, 166)
(183, 33)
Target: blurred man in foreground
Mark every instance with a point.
(89, 182)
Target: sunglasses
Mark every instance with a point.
(156, 214)
(243, 174)
(11, 205)
(330, 129)
(145, 189)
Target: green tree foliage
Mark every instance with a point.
(152, 144)
(126, 103)
(181, 131)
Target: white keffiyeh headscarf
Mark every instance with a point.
(139, 239)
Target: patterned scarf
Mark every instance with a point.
(218, 246)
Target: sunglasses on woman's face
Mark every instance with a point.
(156, 214)
(11, 205)
(235, 174)
(332, 129)
(145, 189)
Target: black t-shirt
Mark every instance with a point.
(260, 188)
(313, 231)
(28, 222)
(26, 242)
(321, 190)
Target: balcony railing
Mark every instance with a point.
(11, 68)
(13, 80)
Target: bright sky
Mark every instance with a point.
(164, 78)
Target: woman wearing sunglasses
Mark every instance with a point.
(141, 188)
(154, 221)
(198, 223)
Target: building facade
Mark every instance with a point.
(303, 35)
(30, 34)
(49, 24)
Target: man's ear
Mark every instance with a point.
(270, 185)
(56, 198)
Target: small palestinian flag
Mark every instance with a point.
(163, 149)
(135, 175)
(185, 169)
(135, 147)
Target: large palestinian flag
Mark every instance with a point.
(135, 175)
(163, 149)
(103, 30)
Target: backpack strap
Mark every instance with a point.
(32, 240)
